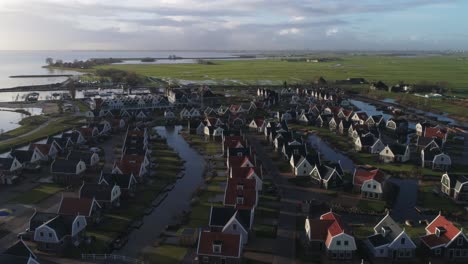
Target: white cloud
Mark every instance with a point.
(297, 18)
(289, 31)
(332, 32)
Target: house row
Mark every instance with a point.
(443, 240)
(230, 225)
(148, 102)
(64, 147)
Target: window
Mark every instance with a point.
(403, 240)
(206, 259)
(50, 234)
(338, 242)
(460, 241)
(78, 224)
(346, 242)
(41, 234)
(234, 227)
(374, 187)
(368, 186)
(217, 249)
(437, 251)
(381, 251)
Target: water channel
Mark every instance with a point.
(177, 200)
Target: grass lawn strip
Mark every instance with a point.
(37, 194)
(165, 254)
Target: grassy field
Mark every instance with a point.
(55, 126)
(27, 124)
(37, 194)
(391, 69)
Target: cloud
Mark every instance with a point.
(289, 31)
(331, 32)
(202, 24)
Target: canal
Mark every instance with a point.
(330, 154)
(177, 200)
(406, 200)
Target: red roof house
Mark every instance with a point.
(215, 246)
(331, 231)
(435, 132)
(241, 193)
(440, 233)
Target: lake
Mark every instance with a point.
(31, 62)
(10, 120)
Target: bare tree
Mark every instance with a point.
(49, 61)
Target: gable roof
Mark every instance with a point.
(326, 172)
(435, 132)
(61, 225)
(5, 163)
(76, 206)
(19, 249)
(391, 227)
(362, 174)
(121, 180)
(85, 156)
(398, 149)
(248, 193)
(128, 166)
(425, 141)
(238, 161)
(220, 216)
(43, 148)
(39, 218)
(432, 240)
(233, 141)
(64, 166)
(100, 192)
(244, 172)
(22, 155)
(230, 244)
(460, 181)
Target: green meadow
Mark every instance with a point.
(452, 71)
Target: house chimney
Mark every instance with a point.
(440, 231)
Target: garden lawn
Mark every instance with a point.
(371, 205)
(37, 194)
(435, 202)
(165, 254)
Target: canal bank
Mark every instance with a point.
(178, 199)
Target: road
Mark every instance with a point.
(285, 243)
(6, 141)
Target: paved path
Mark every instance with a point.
(285, 243)
(6, 141)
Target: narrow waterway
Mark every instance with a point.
(177, 200)
(331, 154)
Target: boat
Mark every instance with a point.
(90, 93)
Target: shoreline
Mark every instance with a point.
(41, 76)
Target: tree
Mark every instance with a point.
(49, 61)
(71, 89)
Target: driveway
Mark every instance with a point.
(285, 243)
(108, 148)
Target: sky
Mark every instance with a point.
(233, 25)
